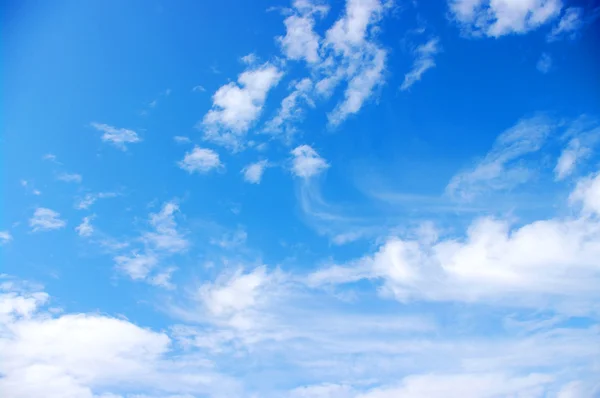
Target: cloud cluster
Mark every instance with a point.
(44, 219)
(119, 137)
(499, 18)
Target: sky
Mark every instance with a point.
(300, 199)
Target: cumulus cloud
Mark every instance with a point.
(499, 169)
(569, 24)
(300, 40)
(499, 18)
(44, 219)
(548, 262)
(119, 137)
(307, 162)
(236, 106)
(200, 160)
(253, 172)
(544, 64)
(423, 62)
(91, 355)
(165, 236)
(85, 228)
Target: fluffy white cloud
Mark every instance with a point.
(545, 263)
(5, 237)
(45, 220)
(306, 162)
(300, 40)
(496, 18)
(91, 355)
(69, 177)
(498, 169)
(569, 24)
(117, 136)
(544, 64)
(423, 62)
(291, 109)
(253, 172)
(85, 228)
(236, 106)
(200, 160)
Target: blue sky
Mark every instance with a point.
(306, 199)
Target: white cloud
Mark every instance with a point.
(355, 57)
(199, 89)
(5, 237)
(165, 236)
(360, 87)
(474, 385)
(306, 162)
(233, 298)
(85, 228)
(45, 220)
(253, 172)
(88, 355)
(544, 63)
(496, 18)
(300, 40)
(89, 199)
(249, 59)
(569, 24)
(569, 157)
(423, 62)
(200, 160)
(136, 265)
(236, 106)
(498, 169)
(119, 137)
(50, 157)
(231, 240)
(180, 139)
(163, 278)
(290, 109)
(69, 177)
(546, 263)
(162, 241)
(587, 192)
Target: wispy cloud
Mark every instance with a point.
(86, 228)
(253, 172)
(90, 198)
(119, 137)
(544, 64)
(44, 219)
(423, 62)
(498, 169)
(569, 25)
(69, 177)
(5, 237)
